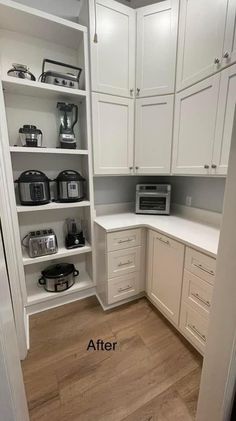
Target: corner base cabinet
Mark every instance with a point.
(165, 273)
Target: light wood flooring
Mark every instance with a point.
(153, 375)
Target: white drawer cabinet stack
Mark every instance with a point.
(198, 281)
(120, 264)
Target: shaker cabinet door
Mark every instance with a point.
(201, 39)
(194, 127)
(225, 120)
(156, 48)
(165, 274)
(112, 134)
(153, 134)
(113, 55)
(229, 51)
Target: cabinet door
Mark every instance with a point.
(201, 38)
(156, 48)
(194, 127)
(166, 258)
(113, 56)
(112, 134)
(153, 135)
(229, 51)
(225, 120)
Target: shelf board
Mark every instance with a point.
(62, 252)
(37, 294)
(33, 22)
(14, 85)
(58, 151)
(52, 206)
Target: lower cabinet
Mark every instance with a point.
(165, 274)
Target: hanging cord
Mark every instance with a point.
(95, 38)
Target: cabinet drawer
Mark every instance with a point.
(122, 262)
(197, 293)
(201, 265)
(123, 239)
(194, 326)
(122, 287)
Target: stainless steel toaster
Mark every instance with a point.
(42, 242)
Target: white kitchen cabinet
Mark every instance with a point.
(229, 50)
(156, 48)
(165, 273)
(113, 132)
(201, 40)
(194, 127)
(153, 134)
(113, 56)
(225, 119)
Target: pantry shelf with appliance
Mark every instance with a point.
(29, 36)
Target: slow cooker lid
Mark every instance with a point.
(70, 175)
(58, 271)
(32, 176)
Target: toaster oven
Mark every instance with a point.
(153, 199)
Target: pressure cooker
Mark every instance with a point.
(59, 277)
(70, 186)
(34, 188)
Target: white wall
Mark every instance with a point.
(206, 193)
(68, 9)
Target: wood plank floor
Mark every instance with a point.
(153, 375)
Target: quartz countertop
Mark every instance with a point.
(195, 234)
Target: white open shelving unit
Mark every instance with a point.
(28, 36)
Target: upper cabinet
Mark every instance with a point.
(153, 134)
(201, 40)
(225, 120)
(156, 48)
(194, 127)
(113, 55)
(112, 134)
(229, 51)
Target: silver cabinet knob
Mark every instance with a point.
(214, 166)
(217, 60)
(226, 54)
(131, 168)
(131, 91)
(206, 166)
(138, 91)
(136, 167)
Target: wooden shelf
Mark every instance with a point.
(62, 252)
(36, 293)
(27, 20)
(52, 206)
(21, 149)
(33, 88)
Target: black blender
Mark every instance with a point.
(68, 117)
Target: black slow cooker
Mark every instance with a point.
(59, 277)
(70, 186)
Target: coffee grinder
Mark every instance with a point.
(75, 237)
(68, 117)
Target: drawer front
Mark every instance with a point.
(197, 293)
(194, 327)
(120, 240)
(122, 287)
(200, 265)
(122, 262)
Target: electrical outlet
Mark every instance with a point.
(188, 200)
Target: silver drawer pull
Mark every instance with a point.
(203, 337)
(125, 241)
(164, 241)
(125, 289)
(125, 263)
(199, 266)
(206, 302)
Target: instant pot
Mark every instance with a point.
(70, 186)
(34, 188)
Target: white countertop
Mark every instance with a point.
(195, 234)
